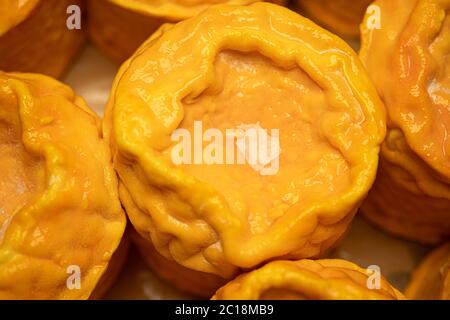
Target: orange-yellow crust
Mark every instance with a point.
(118, 31)
(199, 284)
(35, 37)
(59, 204)
(192, 214)
(431, 280)
(342, 17)
(119, 27)
(13, 12)
(177, 10)
(115, 266)
(328, 279)
(408, 60)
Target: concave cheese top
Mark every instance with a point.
(244, 67)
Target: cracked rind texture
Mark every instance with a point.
(59, 201)
(39, 41)
(431, 279)
(190, 221)
(327, 279)
(119, 27)
(408, 61)
(342, 17)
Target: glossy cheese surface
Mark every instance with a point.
(255, 65)
(176, 10)
(327, 279)
(408, 60)
(59, 206)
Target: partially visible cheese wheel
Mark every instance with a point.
(119, 27)
(408, 61)
(61, 220)
(431, 279)
(342, 17)
(327, 279)
(35, 36)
